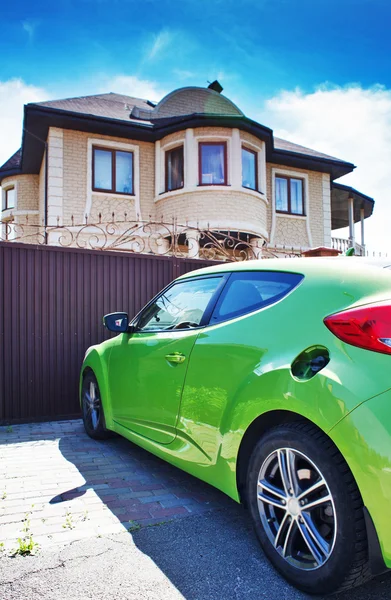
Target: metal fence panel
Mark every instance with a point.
(51, 305)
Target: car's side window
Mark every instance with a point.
(247, 291)
(181, 306)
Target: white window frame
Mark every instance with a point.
(190, 142)
(306, 202)
(9, 185)
(111, 145)
(261, 166)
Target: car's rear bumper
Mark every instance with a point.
(364, 439)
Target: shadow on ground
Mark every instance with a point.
(209, 551)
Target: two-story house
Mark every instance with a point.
(193, 158)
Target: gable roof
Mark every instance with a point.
(281, 144)
(110, 105)
(12, 165)
(140, 119)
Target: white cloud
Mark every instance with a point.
(29, 26)
(161, 41)
(13, 95)
(130, 85)
(353, 124)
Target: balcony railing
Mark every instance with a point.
(344, 244)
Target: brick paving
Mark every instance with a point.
(72, 487)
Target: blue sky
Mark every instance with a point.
(316, 71)
(257, 46)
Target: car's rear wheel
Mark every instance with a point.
(307, 510)
(92, 408)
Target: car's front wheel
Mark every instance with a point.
(92, 408)
(307, 510)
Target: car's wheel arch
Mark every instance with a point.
(254, 431)
(260, 426)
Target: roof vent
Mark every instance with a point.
(215, 86)
(135, 112)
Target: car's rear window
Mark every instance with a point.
(250, 290)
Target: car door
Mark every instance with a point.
(232, 351)
(147, 368)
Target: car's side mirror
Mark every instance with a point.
(117, 322)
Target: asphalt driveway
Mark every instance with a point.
(114, 521)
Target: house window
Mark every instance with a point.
(249, 169)
(9, 198)
(213, 163)
(112, 171)
(174, 169)
(289, 195)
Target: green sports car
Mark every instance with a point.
(270, 380)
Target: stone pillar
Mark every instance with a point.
(190, 159)
(156, 243)
(351, 221)
(193, 237)
(362, 216)
(163, 246)
(326, 194)
(158, 173)
(256, 245)
(235, 160)
(55, 176)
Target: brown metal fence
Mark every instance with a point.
(51, 304)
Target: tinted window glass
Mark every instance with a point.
(174, 169)
(10, 198)
(124, 172)
(281, 194)
(249, 169)
(213, 160)
(180, 307)
(249, 291)
(103, 169)
(297, 196)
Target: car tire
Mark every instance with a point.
(92, 408)
(316, 539)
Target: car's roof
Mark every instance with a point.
(306, 266)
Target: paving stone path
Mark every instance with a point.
(71, 487)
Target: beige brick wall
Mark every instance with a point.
(291, 231)
(215, 207)
(247, 137)
(178, 136)
(238, 209)
(75, 148)
(27, 191)
(23, 225)
(212, 131)
(41, 199)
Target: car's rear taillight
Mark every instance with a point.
(367, 327)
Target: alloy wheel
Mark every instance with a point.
(91, 405)
(296, 509)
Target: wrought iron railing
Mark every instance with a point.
(146, 237)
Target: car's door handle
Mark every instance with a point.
(176, 358)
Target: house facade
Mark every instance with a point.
(193, 158)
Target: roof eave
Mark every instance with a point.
(336, 168)
(9, 173)
(340, 195)
(38, 119)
